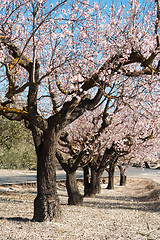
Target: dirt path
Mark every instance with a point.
(119, 214)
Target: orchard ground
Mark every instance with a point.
(122, 213)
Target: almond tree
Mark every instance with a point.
(135, 139)
(35, 59)
(78, 148)
(126, 137)
(54, 56)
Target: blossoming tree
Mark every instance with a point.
(100, 139)
(53, 55)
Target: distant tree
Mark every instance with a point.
(129, 137)
(16, 145)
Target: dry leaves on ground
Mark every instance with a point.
(122, 214)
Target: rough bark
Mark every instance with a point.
(74, 196)
(46, 204)
(111, 176)
(95, 182)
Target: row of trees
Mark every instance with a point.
(61, 61)
(101, 143)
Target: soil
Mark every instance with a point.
(129, 212)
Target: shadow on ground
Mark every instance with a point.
(18, 219)
(116, 202)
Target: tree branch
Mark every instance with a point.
(61, 161)
(13, 113)
(16, 54)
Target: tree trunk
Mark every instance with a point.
(111, 176)
(93, 187)
(146, 165)
(87, 184)
(122, 179)
(95, 182)
(74, 196)
(122, 176)
(46, 204)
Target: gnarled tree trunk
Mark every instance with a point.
(46, 204)
(74, 196)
